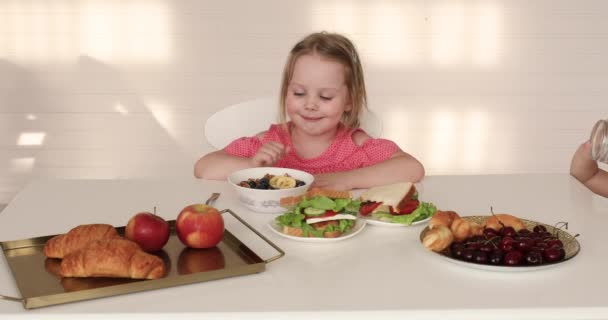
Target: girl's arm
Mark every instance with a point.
(399, 168)
(585, 170)
(218, 165)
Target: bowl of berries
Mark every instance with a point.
(261, 189)
(500, 242)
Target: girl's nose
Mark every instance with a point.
(311, 104)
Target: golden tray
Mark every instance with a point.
(39, 285)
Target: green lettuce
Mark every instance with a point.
(424, 210)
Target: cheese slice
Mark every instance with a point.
(389, 195)
(341, 216)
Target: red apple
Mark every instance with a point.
(200, 226)
(148, 230)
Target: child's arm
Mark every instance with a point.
(400, 167)
(219, 165)
(585, 170)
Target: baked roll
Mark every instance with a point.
(442, 218)
(77, 238)
(438, 238)
(115, 258)
(461, 229)
(497, 221)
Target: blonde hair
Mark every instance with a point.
(338, 48)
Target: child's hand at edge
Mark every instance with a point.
(582, 166)
(269, 154)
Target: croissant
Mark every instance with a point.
(497, 221)
(115, 258)
(61, 245)
(438, 238)
(476, 228)
(443, 218)
(461, 229)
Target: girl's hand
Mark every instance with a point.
(334, 181)
(269, 154)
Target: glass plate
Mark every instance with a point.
(357, 228)
(381, 223)
(571, 247)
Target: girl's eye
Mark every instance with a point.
(326, 98)
(298, 94)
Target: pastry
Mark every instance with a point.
(438, 239)
(61, 245)
(115, 258)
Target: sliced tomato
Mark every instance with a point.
(367, 207)
(328, 213)
(409, 207)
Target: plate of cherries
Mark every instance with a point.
(533, 247)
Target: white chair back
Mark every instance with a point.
(251, 117)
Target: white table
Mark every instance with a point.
(381, 271)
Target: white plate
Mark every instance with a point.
(571, 246)
(381, 223)
(356, 229)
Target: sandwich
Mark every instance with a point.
(320, 213)
(395, 203)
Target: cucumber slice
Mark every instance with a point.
(313, 211)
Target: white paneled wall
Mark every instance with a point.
(121, 88)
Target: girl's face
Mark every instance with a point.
(317, 95)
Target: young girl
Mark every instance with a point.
(323, 94)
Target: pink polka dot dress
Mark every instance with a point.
(342, 155)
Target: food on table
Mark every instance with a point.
(462, 229)
(319, 213)
(438, 238)
(442, 218)
(200, 226)
(501, 220)
(395, 203)
(115, 258)
(148, 230)
(77, 238)
(272, 182)
(500, 246)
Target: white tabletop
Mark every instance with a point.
(381, 270)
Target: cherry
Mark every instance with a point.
(458, 252)
(513, 258)
(534, 257)
(487, 248)
(525, 244)
(472, 245)
(508, 232)
(496, 257)
(507, 244)
(489, 232)
(480, 257)
(467, 254)
(456, 245)
(539, 228)
(524, 232)
(555, 243)
(554, 254)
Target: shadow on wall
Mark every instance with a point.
(84, 121)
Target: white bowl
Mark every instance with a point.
(267, 201)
